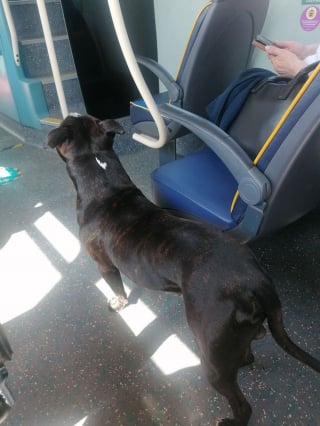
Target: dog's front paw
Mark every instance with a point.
(117, 303)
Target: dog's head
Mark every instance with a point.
(80, 135)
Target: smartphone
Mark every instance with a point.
(261, 42)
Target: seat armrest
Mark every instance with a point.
(173, 88)
(254, 187)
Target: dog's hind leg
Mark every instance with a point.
(112, 277)
(228, 387)
(223, 378)
(224, 348)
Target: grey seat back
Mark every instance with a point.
(219, 49)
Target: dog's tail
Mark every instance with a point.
(273, 312)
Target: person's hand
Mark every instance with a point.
(284, 61)
(295, 47)
(299, 49)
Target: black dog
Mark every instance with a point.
(227, 296)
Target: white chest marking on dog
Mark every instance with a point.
(101, 164)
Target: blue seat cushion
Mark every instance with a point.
(198, 184)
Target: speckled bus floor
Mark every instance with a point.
(76, 363)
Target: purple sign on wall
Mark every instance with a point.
(310, 18)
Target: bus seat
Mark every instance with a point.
(218, 49)
(223, 185)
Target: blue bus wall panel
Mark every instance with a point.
(7, 104)
(28, 96)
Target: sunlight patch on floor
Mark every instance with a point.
(59, 236)
(137, 316)
(27, 275)
(173, 355)
(82, 421)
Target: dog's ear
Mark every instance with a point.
(57, 137)
(61, 139)
(112, 126)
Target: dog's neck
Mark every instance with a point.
(97, 178)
